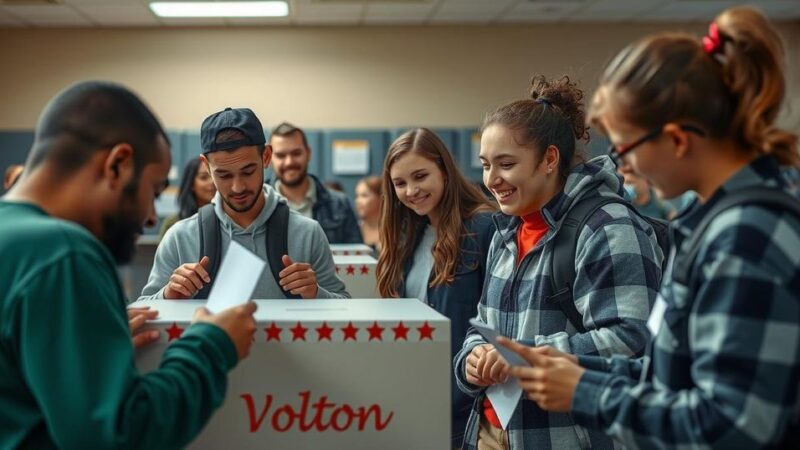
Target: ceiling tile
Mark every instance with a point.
(119, 14)
(48, 15)
(401, 12)
(258, 21)
(539, 11)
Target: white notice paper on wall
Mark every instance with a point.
(236, 278)
(350, 157)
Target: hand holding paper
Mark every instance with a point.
(236, 279)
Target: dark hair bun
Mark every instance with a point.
(565, 96)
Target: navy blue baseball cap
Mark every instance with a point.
(243, 120)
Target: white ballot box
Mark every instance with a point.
(351, 249)
(358, 274)
(336, 374)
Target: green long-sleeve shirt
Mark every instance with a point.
(67, 373)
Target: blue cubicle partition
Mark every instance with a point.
(468, 146)
(378, 142)
(14, 148)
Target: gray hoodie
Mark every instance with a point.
(307, 243)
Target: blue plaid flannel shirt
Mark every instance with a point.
(724, 368)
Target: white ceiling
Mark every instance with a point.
(126, 13)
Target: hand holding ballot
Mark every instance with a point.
(238, 322)
(298, 278)
(485, 367)
(137, 318)
(187, 279)
(552, 377)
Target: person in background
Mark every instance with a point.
(722, 370)
(533, 167)
(12, 175)
(436, 227)
(639, 192)
(304, 192)
(368, 208)
(67, 372)
(196, 190)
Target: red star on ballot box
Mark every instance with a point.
(174, 332)
(298, 332)
(375, 332)
(273, 332)
(400, 331)
(351, 270)
(324, 332)
(364, 270)
(350, 331)
(425, 331)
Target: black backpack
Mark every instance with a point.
(277, 243)
(565, 245)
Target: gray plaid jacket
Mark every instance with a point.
(618, 268)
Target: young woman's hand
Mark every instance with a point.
(552, 378)
(477, 356)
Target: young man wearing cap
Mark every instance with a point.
(67, 372)
(304, 192)
(235, 153)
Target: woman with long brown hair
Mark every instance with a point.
(435, 228)
(722, 370)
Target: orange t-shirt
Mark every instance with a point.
(532, 230)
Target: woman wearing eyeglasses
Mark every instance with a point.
(533, 168)
(724, 367)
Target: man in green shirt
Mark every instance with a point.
(67, 373)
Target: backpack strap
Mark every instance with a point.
(564, 248)
(682, 268)
(278, 242)
(210, 244)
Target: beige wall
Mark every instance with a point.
(317, 77)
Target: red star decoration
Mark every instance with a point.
(298, 332)
(174, 332)
(364, 270)
(350, 331)
(324, 332)
(351, 270)
(425, 331)
(346, 252)
(400, 331)
(337, 270)
(375, 332)
(273, 332)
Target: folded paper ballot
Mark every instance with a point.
(504, 396)
(236, 278)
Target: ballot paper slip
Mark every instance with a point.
(349, 374)
(505, 396)
(236, 279)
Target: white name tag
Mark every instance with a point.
(657, 315)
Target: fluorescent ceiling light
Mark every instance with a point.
(220, 9)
